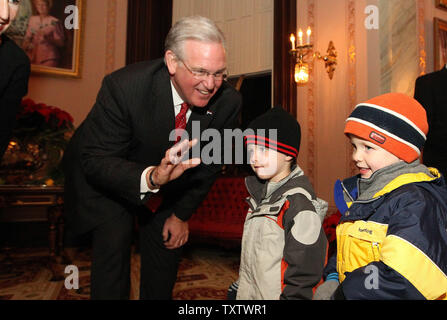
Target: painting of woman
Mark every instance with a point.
(44, 37)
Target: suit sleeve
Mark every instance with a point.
(304, 250)
(423, 94)
(107, 138)
(203, 177)
(9, 103)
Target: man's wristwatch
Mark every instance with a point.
(156, 186)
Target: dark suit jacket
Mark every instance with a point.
(431, 92)
(126, 131)
(14, 74)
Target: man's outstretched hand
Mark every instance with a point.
(171, 166)
(175, 231)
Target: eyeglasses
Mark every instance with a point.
(201, 74)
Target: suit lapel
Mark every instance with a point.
(204, 115)
(162, 108)
(199, 115)
(163, 115)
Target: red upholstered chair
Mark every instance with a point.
(221, 216)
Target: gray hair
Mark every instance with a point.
(192, 28)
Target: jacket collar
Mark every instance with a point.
(258, 188)
(387, 179)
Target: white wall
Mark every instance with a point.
(248, 28)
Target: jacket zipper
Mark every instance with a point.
(376, 252)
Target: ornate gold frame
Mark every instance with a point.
(438, 26)
(441, 4)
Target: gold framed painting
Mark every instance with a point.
(440, 49)
(50, 32)
(441, 4)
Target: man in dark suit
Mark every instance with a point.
(121, 154)
(14, 74)
(430, 91)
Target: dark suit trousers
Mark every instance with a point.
(110, 272)
(159, 265)
(110, 275)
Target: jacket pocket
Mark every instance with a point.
(359, 244)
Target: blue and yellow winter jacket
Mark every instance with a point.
(392, 236)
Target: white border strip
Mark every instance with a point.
(369, 124)
(398, 115)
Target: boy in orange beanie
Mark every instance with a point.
(392, 237)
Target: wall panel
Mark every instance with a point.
(247, 25)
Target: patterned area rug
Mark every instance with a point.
(205, 273)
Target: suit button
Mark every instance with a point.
(347, 214)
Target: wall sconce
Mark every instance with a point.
(300, 53)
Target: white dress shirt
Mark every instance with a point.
(144, 188)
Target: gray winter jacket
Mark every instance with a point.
(283, 244)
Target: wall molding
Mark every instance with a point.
(352, 76)
(110, 36)
(421, 37)
(311, 140)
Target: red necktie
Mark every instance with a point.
(180, 121)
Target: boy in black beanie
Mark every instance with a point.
(283, 244)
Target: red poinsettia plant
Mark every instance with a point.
(43, 123)
(40, 137)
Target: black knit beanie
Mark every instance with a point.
(285, 139)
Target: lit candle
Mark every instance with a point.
(292, 39)
(300, 37)
(309, 32)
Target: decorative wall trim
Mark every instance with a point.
(421, 37)
(352, 76)
(110, 36)
(311, 141)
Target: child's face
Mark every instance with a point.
(369, 157)
(268, 164)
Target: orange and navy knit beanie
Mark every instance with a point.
(276, 129)
(394, 122)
